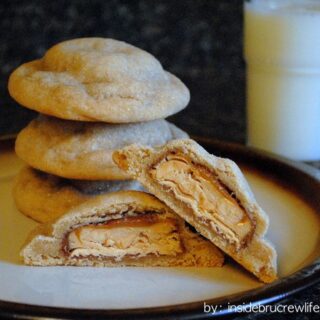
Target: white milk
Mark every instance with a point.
(282, 50)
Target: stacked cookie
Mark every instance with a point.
(95, 95)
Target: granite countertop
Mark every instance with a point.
(199, 41)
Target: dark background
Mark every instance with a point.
(198, 40)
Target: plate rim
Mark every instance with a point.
(270, 293)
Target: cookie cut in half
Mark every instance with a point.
(125, 228)
(98, 79)
(211, 194)
(44, 197)
(81, 150)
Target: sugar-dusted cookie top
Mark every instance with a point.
(97, 79)
(82, 150)
(44, 197)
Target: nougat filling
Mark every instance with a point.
(201, 190)
(135, 236)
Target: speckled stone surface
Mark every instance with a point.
(199, 41)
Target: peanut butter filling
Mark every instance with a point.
(209, 199)
(132, 236)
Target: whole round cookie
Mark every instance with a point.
(82, 150)
(97, 79)
(44, 197)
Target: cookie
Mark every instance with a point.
(97, 79)
(125, 228)
(80, 150)
(44, 197)
(211, 194)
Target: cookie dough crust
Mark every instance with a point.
(253, 251)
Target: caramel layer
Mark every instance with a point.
(132, 236)
(210, 200)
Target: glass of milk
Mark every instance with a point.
(282, 51)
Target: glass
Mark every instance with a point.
(282, 51)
